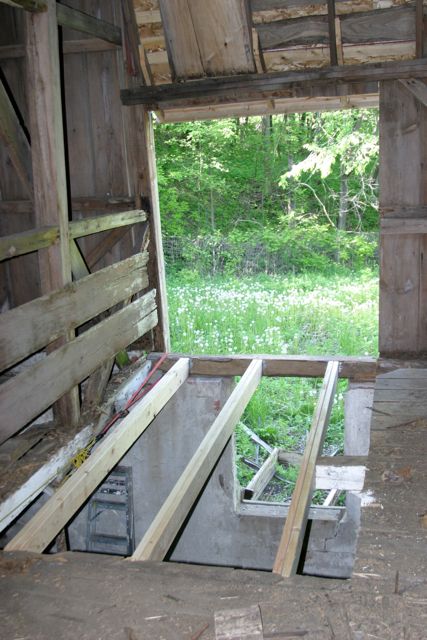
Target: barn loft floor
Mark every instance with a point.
(92, 596)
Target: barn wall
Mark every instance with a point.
(403, 205)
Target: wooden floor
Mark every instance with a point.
(83, 596)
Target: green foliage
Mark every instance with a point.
(248, 173)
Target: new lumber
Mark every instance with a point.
(15, 140)
(276, 85)
(297, 366)
(28, 394)
(31, 326)
(54, 515)
(262, 477)
(288, 553)
(167, 523)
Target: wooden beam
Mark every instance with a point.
(332, 33)
(360, 368)
(15, 140)
(85, 204)
(398, 226)
(31, 326)
(48, 162)
(104, 246)
(288, 553)
(80, 21)
(54, 515)
(166, 525)
(418, 88)
(28, 394)
(18, 244)
(419, 28)
(156, 264)
(261, 509)
(88, 226)
(89, 45)
(29, 5)
(262, 477)
(275, 85)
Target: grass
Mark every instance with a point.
(309, 314)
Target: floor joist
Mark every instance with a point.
(165, 526)
(37, 534)
(288, 554)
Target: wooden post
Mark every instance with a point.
(48, 162)
(288, 553)
(403, 196)
(142, 175)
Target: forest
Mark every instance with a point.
(300, 190)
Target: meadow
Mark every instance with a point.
(308, 313)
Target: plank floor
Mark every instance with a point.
(89, 596)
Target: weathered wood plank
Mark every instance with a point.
(383, 25)
(18, 244)
(215, 40)
(49, 379)
(165, 526)
(403, 305)
(156, 265)
(279, 510)
(234, 624)
(262, 477)
(88, 226)
(287, 558)
(54, 515)
(80, 21)
(181, 40)
(277, 366)
(48, 162)
(29, 327)
(418, 88)
(332, 33)
(15, 140)
(263, 86)
(403, 226)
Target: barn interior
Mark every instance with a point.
(120, 512)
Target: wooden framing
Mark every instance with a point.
(270, 85)
(262, 477)
(32, 326)
(165, 526)
(80, 21)
(356, 368)
(48, 161)
(21, 243)
(288, 553)
(54, 515)
(15, 140)
(49, 379)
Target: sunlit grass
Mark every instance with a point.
(303, 314)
